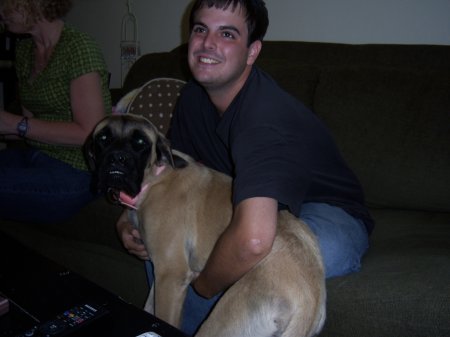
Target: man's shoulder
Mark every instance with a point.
(262, 77)
(263, 88)
(263, 96)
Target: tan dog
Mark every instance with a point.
(182, 210)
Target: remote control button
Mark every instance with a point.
(53, 327)
(29, 333)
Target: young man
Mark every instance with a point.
(234, 118)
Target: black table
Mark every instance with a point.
(39, 290)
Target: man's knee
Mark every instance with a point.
(343, 240)
(342, 253)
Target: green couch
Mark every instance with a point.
(388, 107)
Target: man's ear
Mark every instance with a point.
(253, 52)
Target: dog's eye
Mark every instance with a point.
(103, 138)
(140, 143)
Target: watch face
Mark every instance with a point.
(22, 127)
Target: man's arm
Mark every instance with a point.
(245, 242)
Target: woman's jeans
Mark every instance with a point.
(37, 188)
(343, 240)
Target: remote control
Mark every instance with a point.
(67, 321)
(149, 334)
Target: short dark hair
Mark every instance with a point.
(257, 17)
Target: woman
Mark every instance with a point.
(63, 90)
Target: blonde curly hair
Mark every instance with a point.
(36, 10)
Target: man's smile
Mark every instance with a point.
(208, 60)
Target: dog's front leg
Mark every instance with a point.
(170, 292)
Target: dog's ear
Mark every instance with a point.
(88, 150)
(179, 162)
(164, 154)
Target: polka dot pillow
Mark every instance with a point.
(156, 100)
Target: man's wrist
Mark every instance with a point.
(199, 290)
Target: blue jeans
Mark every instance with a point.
(37, 188)
(343, 240)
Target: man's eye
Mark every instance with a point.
(228, 35)
(198, 30)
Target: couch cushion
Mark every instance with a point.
(156, 100)
(402, 56)
(393, 127)
(403, 288)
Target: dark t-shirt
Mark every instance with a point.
(270, 143)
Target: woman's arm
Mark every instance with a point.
(88, 109)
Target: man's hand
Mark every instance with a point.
(131, 239)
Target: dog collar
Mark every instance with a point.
(129, 201)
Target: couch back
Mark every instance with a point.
(388, 107)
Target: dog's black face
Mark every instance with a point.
(119, 151)
(121, 161)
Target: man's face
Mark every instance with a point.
(218, 53)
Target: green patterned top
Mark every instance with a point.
(48, 95)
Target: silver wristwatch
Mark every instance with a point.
(22, 127)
